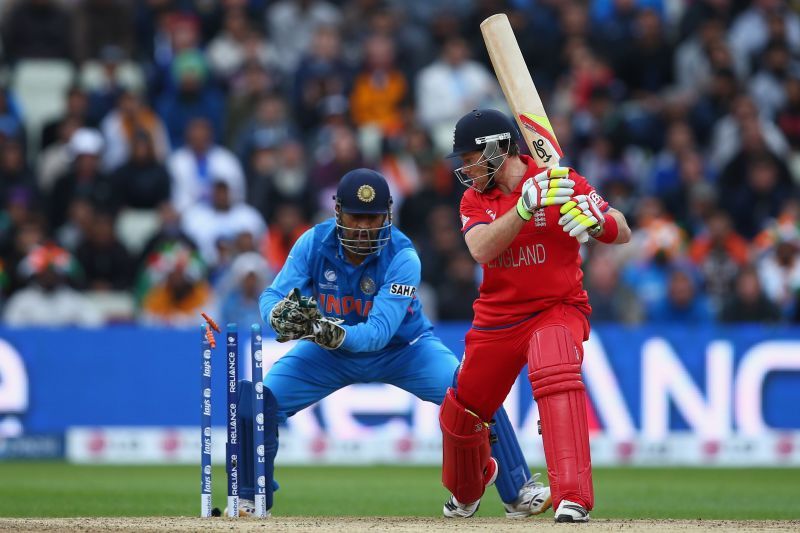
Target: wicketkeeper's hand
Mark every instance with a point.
(581, 217)
(327, 333)
(550, 187)
(292, 317)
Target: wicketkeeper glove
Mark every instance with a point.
(327, 333)
(550, 187)
(292, 317)
(581, 216)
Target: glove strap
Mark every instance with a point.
(610, 230)
(523, 213)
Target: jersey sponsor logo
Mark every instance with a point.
(491, 213)
(330, 275)
(596, 197)
(464, 220)
(330, 304)
(402, 290)
(522, 256)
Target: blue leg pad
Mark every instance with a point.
(514, 471)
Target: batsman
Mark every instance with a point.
(348, 293)
(523, 224)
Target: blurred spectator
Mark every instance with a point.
(321, 74)
(236, 44)
(48, 300)
(109, 87)
(245, 96)
(170, 233)
(692, 175)
(779, 272)
(693, 70)
(77, 110)
(719, 252)
(269, 123)
(194, 96)
(285, 227)
(250, 275)
(130, 118)
(611, 300)
(458, 292)
(766, 188)
(278, 176)
(38, 29)
(14, 172)
(193, 166)
(143, 182)
(451, 86)
(750, 32)
(646, 67)
(100, 23)
(293, 24)
(22, 232)
(224, 218)
(788, 119)
(176, 288)
(379, 89)
(683, 302)
(343, 156)
(84, 180)
(747, 302)
(106, 263)
(767, 85)
(443, 241)
(55, 160)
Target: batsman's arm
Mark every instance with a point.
(487, 241)
(389, 307)
(623, 232)
(295, 273)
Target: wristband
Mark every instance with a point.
(610, 230)
(523, 213)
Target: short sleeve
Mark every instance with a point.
(582, 186)
(472, 214)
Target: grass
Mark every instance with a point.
(41, 489)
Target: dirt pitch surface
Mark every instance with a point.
(395, 524)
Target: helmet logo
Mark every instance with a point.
(489, 138)
(366, 193)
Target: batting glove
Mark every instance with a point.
(293, 317)
(581, 217)
(550, 187)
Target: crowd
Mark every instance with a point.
(161, 157)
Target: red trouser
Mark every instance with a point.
(551, 344)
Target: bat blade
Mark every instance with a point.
(520, 92)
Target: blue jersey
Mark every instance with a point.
(377, 299)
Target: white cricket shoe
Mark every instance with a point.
(247, 509)
(455, 509)
(534, 498)
(571, 512)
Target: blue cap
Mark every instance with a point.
(363, 191)
(480, 126)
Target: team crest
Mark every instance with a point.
(366, 193)
(367, 284)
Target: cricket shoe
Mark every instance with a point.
(455, 509)
(534, 498)
(247, 509)
(571, 512)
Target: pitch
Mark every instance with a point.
(405, 499)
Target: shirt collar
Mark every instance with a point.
(495, 191)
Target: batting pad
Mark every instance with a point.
(554, 362)
(465, 449)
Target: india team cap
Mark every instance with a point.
(363, 191)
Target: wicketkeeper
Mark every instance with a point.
(348, 293)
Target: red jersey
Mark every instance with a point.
(541, 266)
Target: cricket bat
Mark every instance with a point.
(520, 92)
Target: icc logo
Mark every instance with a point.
(260, 418)
(330, 275)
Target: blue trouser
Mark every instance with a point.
(426, 369)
